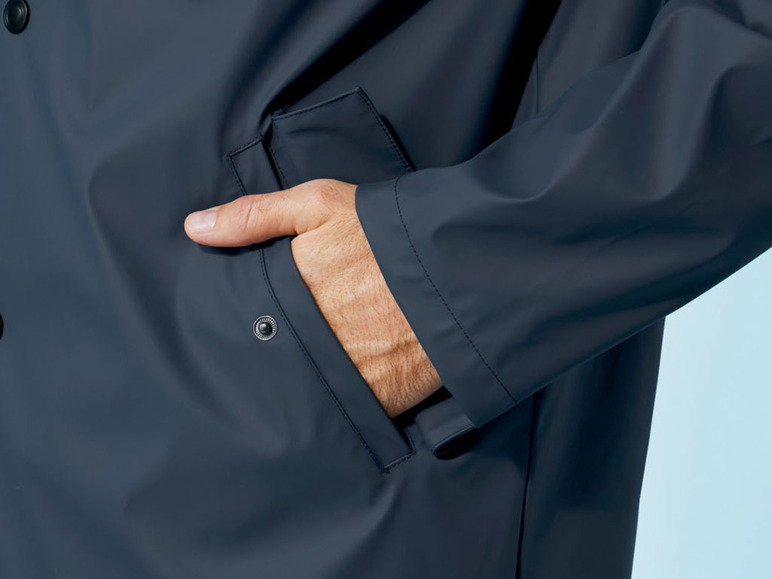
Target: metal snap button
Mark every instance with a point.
(265, 327)
(16, 15)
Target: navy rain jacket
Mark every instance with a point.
(541, 183)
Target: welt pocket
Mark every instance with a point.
(343, 138)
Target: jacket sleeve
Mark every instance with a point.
(644, 185)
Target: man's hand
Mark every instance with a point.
(335, 261)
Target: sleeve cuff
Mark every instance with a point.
(462, 368)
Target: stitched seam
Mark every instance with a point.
(436, 289)
(358, 91)
(386, 132)
(310, 108)
(460, 431)
(247, 145)
(282, 176)
(232, 166)
(314, 367)
(236, 176)
(403, 458)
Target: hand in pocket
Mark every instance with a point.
(334, 259)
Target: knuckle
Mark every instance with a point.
(244, 211)
(327, 193)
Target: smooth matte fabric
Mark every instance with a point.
(541, 183)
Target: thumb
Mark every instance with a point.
(250, 219)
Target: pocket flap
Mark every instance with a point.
(341, 138)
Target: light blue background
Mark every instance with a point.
(706, 503)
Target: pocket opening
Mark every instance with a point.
(384, 441)
(344, 138)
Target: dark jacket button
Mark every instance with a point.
(16, 15)
(265, 327)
